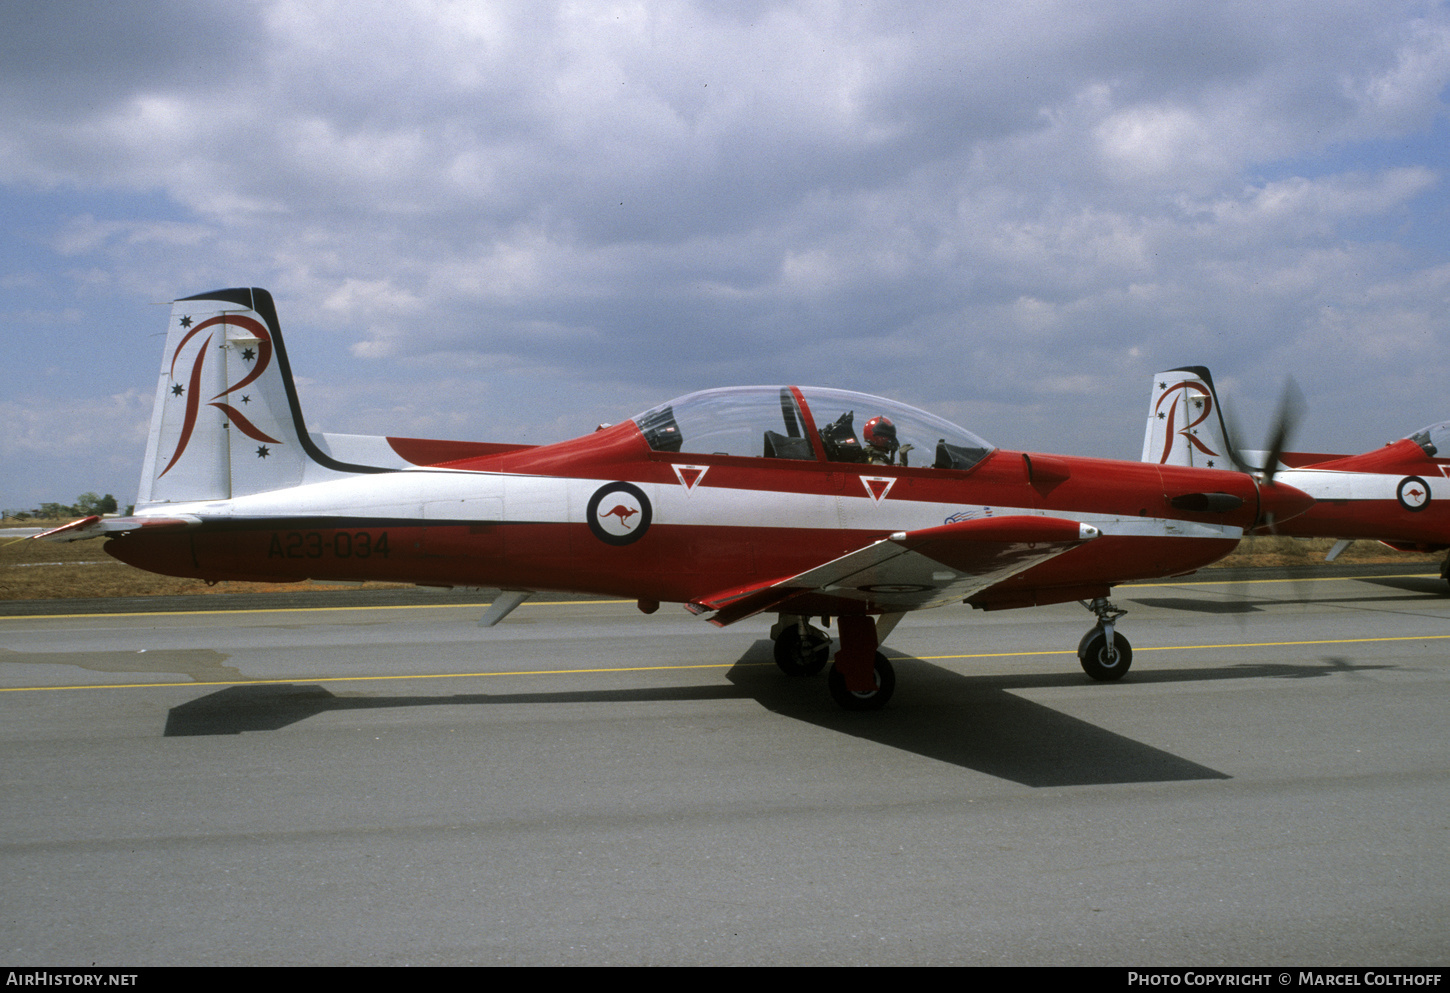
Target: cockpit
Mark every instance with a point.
(1435, 439)
(809, 424)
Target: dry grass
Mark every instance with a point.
(42, 570)
(1283, 552)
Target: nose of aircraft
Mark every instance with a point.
(1280, 501)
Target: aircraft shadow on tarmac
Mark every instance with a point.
(975, 722)
(1233, 601)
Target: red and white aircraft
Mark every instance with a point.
(1392, 494)
(733, 502)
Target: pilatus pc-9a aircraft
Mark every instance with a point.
(807, 503)
(1398, 494)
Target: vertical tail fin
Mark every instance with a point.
(1185, 421)
(226, 421)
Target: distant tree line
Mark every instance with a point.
(86, 505)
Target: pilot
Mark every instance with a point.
(881, 444)
(882, 447)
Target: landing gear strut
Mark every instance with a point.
(1105, 655)
(862, 678)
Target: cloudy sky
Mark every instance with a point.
(512, 221)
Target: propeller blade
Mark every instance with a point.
(1231, 435)
(1291, 411)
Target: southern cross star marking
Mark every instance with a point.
(186, 322)
(246, 398)
(248, 354)
(1163, 386)
(1210, 463)
(1161, 415)
(177, 390)
(262, 452)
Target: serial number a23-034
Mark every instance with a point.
(327, 544)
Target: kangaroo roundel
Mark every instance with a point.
(1413, 493)
(619, 513)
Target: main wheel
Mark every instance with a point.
(876, 699)
(799, 656)
(1092, 652)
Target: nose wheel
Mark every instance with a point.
(1101, 662)
(1104, 653)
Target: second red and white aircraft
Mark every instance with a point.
(1398, 494)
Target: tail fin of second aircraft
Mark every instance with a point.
(226, 421)
(1185, 421)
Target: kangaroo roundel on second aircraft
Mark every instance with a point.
(619, 513)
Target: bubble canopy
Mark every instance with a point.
(1435, 439)
(808, 423)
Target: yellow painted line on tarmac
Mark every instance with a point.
(482, 605)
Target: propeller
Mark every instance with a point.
(1292, 408)
(1291, 411)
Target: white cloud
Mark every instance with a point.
(1002, 202)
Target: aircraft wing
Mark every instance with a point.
(911, 570)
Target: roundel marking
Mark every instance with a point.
(619, 513)
(1413, 493)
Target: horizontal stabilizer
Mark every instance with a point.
(911, 570)
(98, 527)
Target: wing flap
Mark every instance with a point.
(912, 570)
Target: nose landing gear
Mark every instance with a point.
(1104, 653)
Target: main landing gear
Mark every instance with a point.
(1104, 653)
(861, 679)
(800, 650)
(864, 679)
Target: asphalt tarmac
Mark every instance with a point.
(585, 785)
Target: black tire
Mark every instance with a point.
(799, 656)
(1092, 653)
(875, 700)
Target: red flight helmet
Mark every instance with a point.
(880, 433)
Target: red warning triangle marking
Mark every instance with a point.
(878, 486)
(690, 475)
